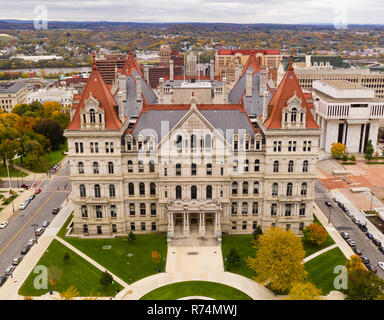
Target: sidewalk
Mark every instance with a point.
(319, 253)
(9, 291)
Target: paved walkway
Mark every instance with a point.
(319, 253)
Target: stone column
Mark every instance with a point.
(170, 225)
(202, 225)
(186, 224)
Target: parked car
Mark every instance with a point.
(55, 210)
(31, 197)
(25, 250)
(3, 224)
(328, 204)
(24, 186)
(357, 251)
(351, 242)
(45, 224)
(17, 260)
(37, 191)
(39, 231)
(23, 205)
(362, 227)
(376, 242)
(3, 279)
(369, 235)
(345, 235)
(371, 267)
(31, 242)
(365, 260)
(381, 249)
(9, 270)
(381, 265)
(354, 220)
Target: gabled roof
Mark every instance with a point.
(253, 62)
(96, 88)
(288, 87)
(130, 65)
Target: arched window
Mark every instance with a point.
(209, 192)
(276, 166)
(110, 167)
(193, 141)
(113, 211)
(289, 189)
(81, 167)
(290, 166)
(179, 142)
(131, 209)
(193, 192)
(152, 189)
(246, 165)
(304, 188)
(257, 165)
(153, 209)
(305, 166)
(131, 189)
(92, 116)
(178, 192)
(142, 188)
(245, 188)
(97, 191)
(244, 208)
(112, 191)
(82, 191)
(142, 209)
(293, 115)
(275, 189)
(273, 209)
(141, 166)
(256, 188)
(84, 212)
(178, 169)
(302, 209)
(234, 208)
(208, 141)
(234, 188)
(255, 208)
(95, 168)
(130, 166)
(288, 209)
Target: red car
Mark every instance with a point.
(37, 191)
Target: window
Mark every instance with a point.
(289, 189)
(92, 116)
(133, 226)
(288, 208)
(153, 209)
(114, 228)
(112, 191)
(151, 166)
(257, 165)
(293, 115)
(107, 147)
(179, 142)
(178, 169)
(193, 192)
(178, 192)
(301, 226)
(235, 145)
(258, 144)
(91, 147)
(276, 166)
(130, 166)
(129, 145)
(294, 146)
(287, 226)
(131, 209)
(84, 212)
(209, 169)
(96, 147)
(290, 166)
(309, 146)
(305, 166)
(276, 146)
(97, 191)
(95, 168)
(165, 171)
(221, 171)
(305, 146)
(256, 188)
(99, 230)
(153, 226)
(234, 208)
(255, 208)
(152, 189)
(141, 166)
(234, 225)
(208, 141)
(111, 147)
(131, 189)
(209, 192)
(193, 141)
(273, 209)
(244, 208)
(99, 212)
(234, 188)
(113, 211)
(85, 228)
(302, 209)
(142, 209)
(81, 147)
(246, 165)
(142, 188)
(304, 188)
(82, 191)
(245, 188)
(275, 189)
(76, 147)
(289, 146)
(110, 167)
(81, 167)
(254, 225)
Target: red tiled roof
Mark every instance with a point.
(97, 88)
(131, 64)
(288, 87)
(252, 62)
(248, 52)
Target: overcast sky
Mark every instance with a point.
(230, 11)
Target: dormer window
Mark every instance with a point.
(293, 115)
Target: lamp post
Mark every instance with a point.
(371, 201)
(329, 214)
(10, 185)
(34, 225)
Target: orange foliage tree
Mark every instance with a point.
(315, 233)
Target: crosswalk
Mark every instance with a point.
(323, 195)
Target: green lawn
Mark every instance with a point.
(213, 290)
(12, 172)
(244, 247)
(76, 271)
(129, 268)
(63, 229)
(320, 269)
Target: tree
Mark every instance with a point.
(279, 259)
(315, 234)
(338, 150)
(69, 294)
(257, 232)
(106, 279)
(131, 237)
(51, 106)
(156, 257)
(369, 150)
(52, 130)
(355, 262)
(304, 291)
(8, 150)
(66, 257)
(232, 257)
(364, 285)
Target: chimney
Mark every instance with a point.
(237, 72)
(146, 74)
(120, 103)
(138, 88)
(308, 60)
(161, 96)
(225, 96)
(248, 88)
(211, 71)
(265, 105)
(263, 81)
(171, 70)
(123, 85)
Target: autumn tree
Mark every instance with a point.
(50, 107)
(257, 232)
(355, 262)
(8, 150)
(278, 260)
(315, 234)
(156, 257)
(304, 291)
(364, 285)
(69, 294)
(338, 150)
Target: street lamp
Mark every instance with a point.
(371, 201)
(328, 203)
(10, 185)
(34, 225)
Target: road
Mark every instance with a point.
(19, 230)
(343, 223)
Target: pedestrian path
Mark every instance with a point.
(323, 195)
(319, 252)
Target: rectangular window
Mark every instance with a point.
(77, 147)
(209, 169)
(309, 146)
(294, 146)
(279, 146)
(96, 147)
(91, 147)
(233, 225)
(274, 146)
(257, 145)
(107, 147)
(81, 147)
(111, 146)
(289, 146)
(305, 146)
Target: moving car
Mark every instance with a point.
(17, 260)
(357, 251)
(38, 191)
(9, 270)
(381, 265)
(23, 205)
(365, 260)
(3, 279)
(31, 242)
(345, 235)
(3, 224)
(39, 231)
(55, 210)
(351, 242)
(45, 224)
(25, 250)
(369, 235)
(371, 267)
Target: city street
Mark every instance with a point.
(19, 230)
(343, 223)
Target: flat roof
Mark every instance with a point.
(11, 87)
(328, 98)
(342, 84)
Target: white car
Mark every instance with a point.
(381, 265)
(9, 270)
(3, 224)
(31, 242)
(23, 205)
